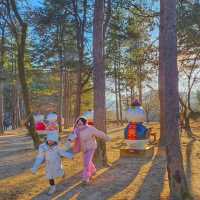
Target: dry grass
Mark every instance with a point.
(126, 179)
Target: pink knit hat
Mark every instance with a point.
(135, 102)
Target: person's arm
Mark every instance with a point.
(71, 137)
(65, 154)
(100, 134)
(39, 160)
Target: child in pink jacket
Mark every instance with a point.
(85, 141)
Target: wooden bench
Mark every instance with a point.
(148, 152)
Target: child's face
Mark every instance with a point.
(50, 142)
(79, 123)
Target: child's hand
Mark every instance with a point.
(33, 171)
(108, 138)
(68, 145)
(70, 155)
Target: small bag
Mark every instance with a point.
(77, 145)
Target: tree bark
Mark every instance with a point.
(120, 101)
(80, 36)
(60, 42)
(187, 127)
(1, 107)
(18, 110)
(168, 77)
(21, 44)
(185, 120)
(140, 84)
(119, 85)
(60, 101)
(132, 93)
(116, 94)
(65, 98)
(1, 81)
(14, 102)
(78, 91)
(30, 125)
(99, 78)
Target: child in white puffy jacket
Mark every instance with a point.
(50, 153)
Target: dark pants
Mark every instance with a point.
(51, 182)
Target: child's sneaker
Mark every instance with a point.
(52, 189)
(86, 182)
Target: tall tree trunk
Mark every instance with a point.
(60, 44)
(60, 113)
(120, 101)
(140, 84)
(119, 85)
(99, 79)
(78, 92)
(26, 96)
(147, 116)
(185, 118)
(187, 126)
(21, 44)
(127, 96)
(22, 110)
(14, 102)
(116, 94)
(71, 99)
(68, 99)
(1, 106)
(65, 106)
(1, 80)
(18, 109)
(80, 37)
(132, 93)
(170, 100)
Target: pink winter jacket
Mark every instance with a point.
(88, 140)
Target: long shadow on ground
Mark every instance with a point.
(14, 168)
(112, 181)
(189, 148)
(154, 181)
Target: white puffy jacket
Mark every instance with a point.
(51, 155)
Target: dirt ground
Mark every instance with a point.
(135, 178)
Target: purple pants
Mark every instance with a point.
(89, 167)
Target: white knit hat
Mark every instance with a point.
(53, 137)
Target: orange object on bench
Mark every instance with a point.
(132, 131)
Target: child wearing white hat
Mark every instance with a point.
(50, 153)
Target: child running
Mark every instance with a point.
(85, 141)
(50, 153)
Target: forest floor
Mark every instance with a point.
(135, 178)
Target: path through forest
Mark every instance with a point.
(126, 178)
